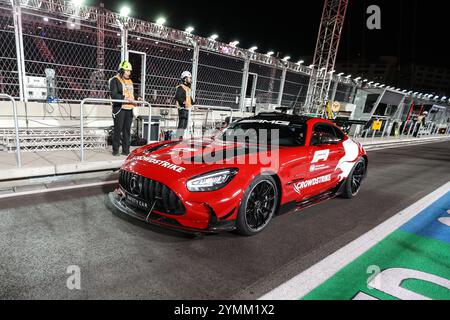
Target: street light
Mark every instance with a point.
(189, 29)
(234, 43)
(160, 21)
(287, 58)
(349, 76)
(252, 49)
(214, 37)
(125, 11)
(270, 53)
(340, 74)
(311, 66)
(357, 79)
(300, 62)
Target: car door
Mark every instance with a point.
(324, 158)
(294, 170)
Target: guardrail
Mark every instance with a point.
(16, 125)
(103, 101)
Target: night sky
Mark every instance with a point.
(414, 30)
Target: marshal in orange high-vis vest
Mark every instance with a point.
(188, 102)
(128, 92)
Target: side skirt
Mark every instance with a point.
(294, 206)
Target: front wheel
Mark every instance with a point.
(258, 206)
(354, 180)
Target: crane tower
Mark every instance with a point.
(327, 46)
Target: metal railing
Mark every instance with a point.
(16, 126)
(212, 108)
(208, 109)
(407, 131)
(109, 101)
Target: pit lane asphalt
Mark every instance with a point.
(121, 258)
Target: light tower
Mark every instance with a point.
(327, 46)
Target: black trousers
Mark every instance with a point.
(122, 130)
(183, 119)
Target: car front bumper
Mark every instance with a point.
(209, 223)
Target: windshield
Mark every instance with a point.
(262, 132)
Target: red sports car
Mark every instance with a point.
(257, 168)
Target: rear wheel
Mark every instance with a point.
(354, 180)
(258, 206)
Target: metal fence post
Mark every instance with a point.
(310, 92)
(353, 93)
(335, 86)
(16, 125)
(283, 81)
(17, 16)
(195, 62)
(244, 83)
(123, 39)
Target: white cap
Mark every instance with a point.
(186, 74)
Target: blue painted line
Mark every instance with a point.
(427, 224)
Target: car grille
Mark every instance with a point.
(150, 191)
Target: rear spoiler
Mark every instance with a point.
(343, 122)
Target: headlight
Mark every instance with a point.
(211, 181)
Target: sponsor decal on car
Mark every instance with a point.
(316, 167)
(321, 155)
(298, 187)
(161, 163)
(280, 123)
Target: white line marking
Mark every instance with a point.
(74, 187)
(305, 282)
(445, 220)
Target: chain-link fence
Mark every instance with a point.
(9, 75)
(268, 83)
(81, 63)
(165, 61)
(344, 93)
(219, 80)
(295, 90)
(71, 52)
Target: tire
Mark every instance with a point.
(354, 180)
(258, 206)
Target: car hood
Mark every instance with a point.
(188, 158)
